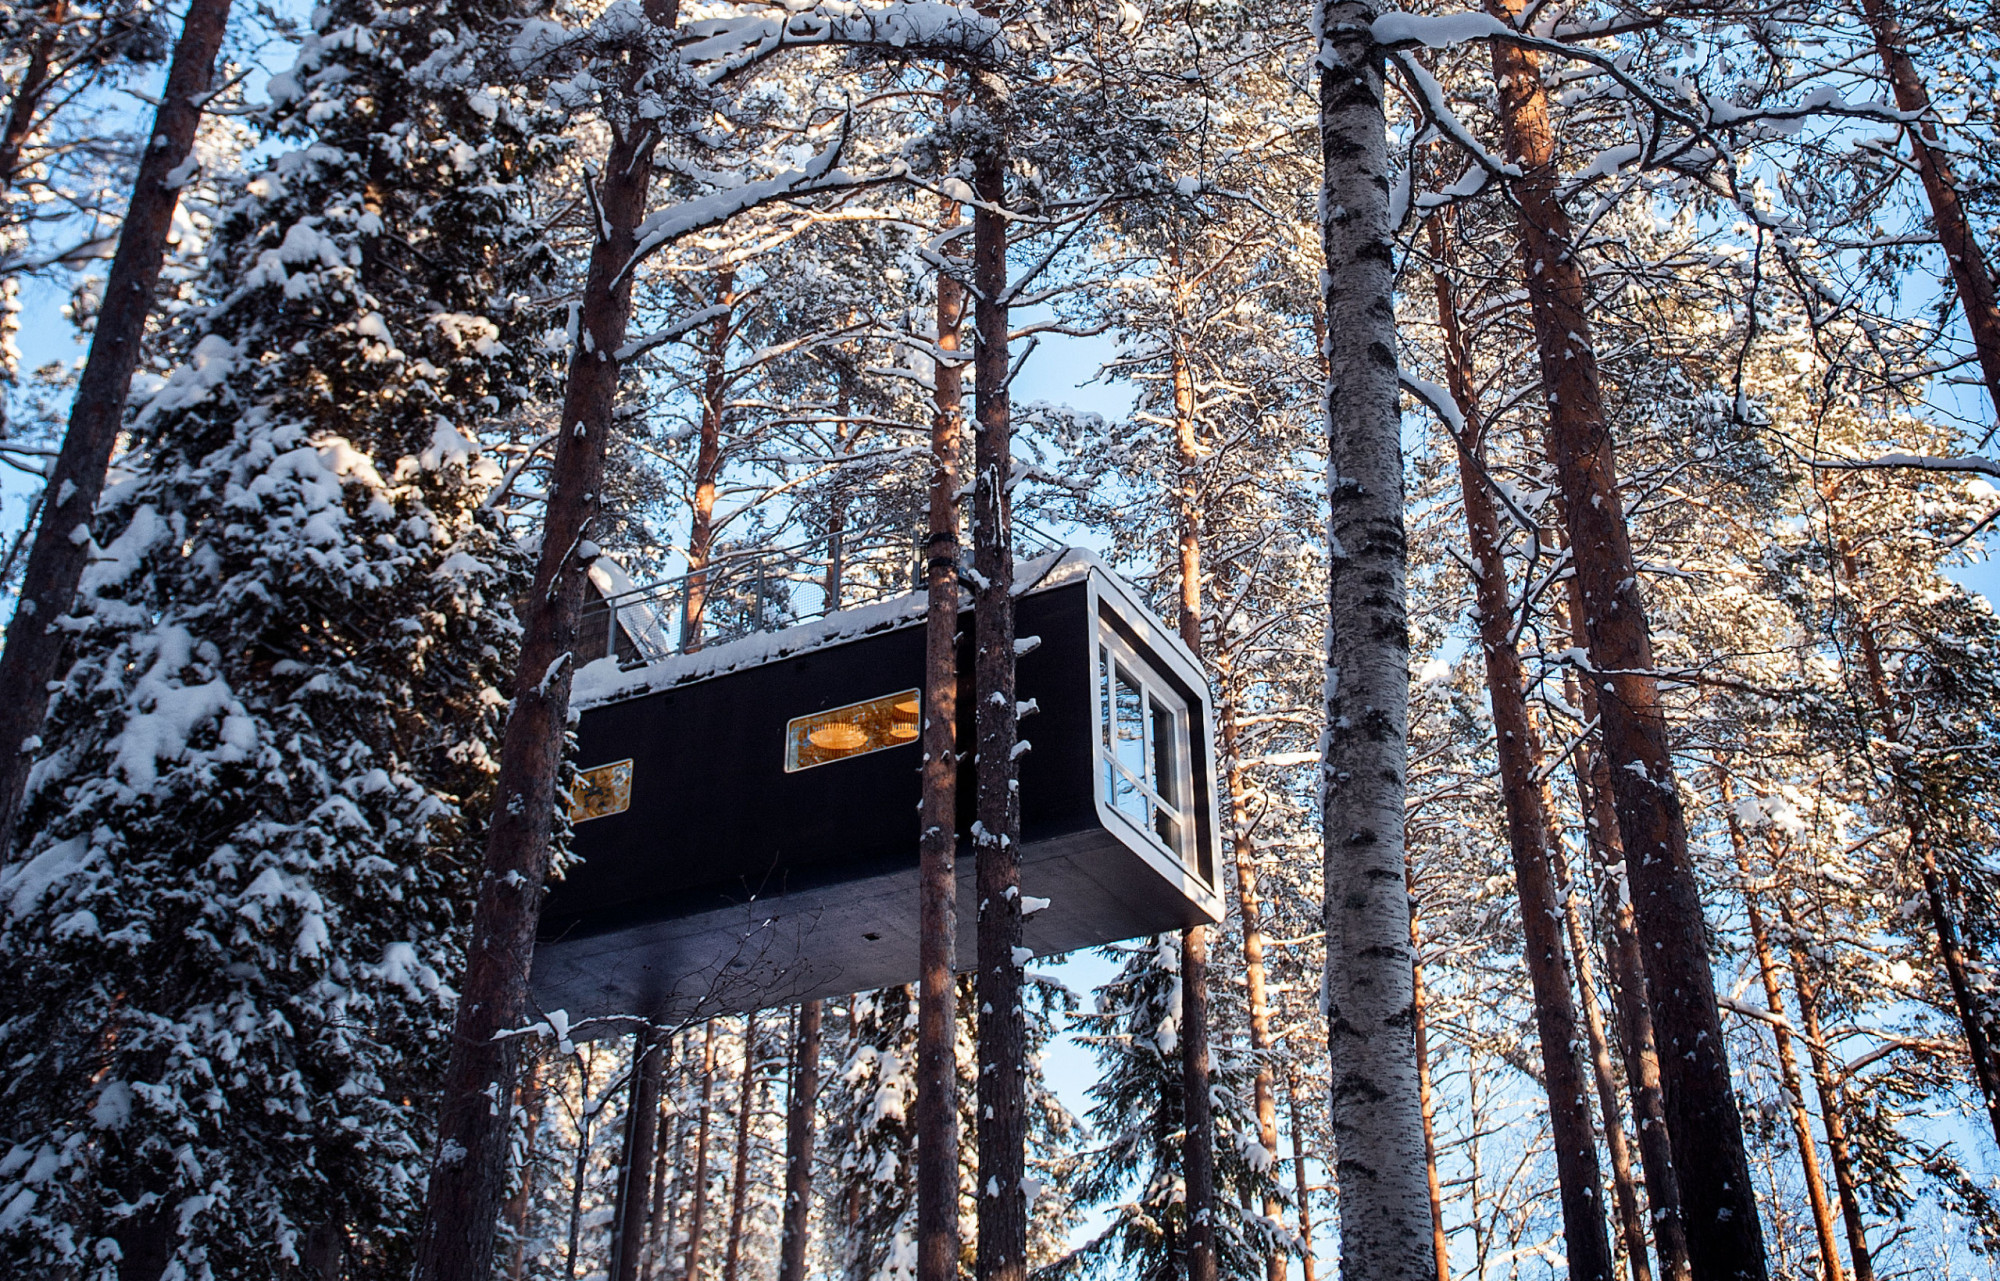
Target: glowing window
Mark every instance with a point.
(854, 730)
(1143, 748)
(601, 791)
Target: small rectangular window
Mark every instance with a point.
(854, 730)
(601, 791)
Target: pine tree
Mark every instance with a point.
(1135, 1160)
(231, 938)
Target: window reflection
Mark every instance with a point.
(854, 730)
(1142, 748)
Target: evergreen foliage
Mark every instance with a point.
(1133, 1164)
(235, 923)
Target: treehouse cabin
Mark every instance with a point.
(745, 814)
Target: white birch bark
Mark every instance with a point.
(1369, 992)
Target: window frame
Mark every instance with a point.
(792, 734)
(1113, 655)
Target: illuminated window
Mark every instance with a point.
(1143, 748)
(601, 791)
(854, 730)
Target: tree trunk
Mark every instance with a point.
(1937, 894)
(1440, 1243)
(468, 1176)
(34, 645)
(1725, 1239)
(937, 847)
(1518, 743)
(29, 91)
(585, 1115)
(1788, 1063)
(698, 1186)
(1003, 1208)
(1969, 270)
(1627, 975)
(708, 462)
(520, 1209)
(801, 1127)
(1198, 1160)
(1307, 1264)
(739, 1179)
(1250, 908)
(1631, 1217)
(1831, 1100)
(634, 1211)
(668, 1178)
(1377, 1125)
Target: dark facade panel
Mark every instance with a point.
(731, 882)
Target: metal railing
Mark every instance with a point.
(746, 590)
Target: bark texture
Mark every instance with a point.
(1969, 270)
(800, 1130)
(1302, 1186)
(1369, 994)
(468, 1174)
(1198, 1152)
(1518, 744)
(1724, 1234)
(1832, 1100)
(1003, 1034)
(937, 849)
(698, 1202)
(739, 1177)
(1788, 1060)
(1627, 973)
(1250, 912)
(1440, 1243)
(708, 462)
(55, 563)
(1631, 1218)
(634, 1210)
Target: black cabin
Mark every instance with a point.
(746, 815)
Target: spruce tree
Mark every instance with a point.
(231, 928)
(1134, 1161)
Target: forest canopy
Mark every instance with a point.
(1562, 436)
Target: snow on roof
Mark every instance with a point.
(602, 681)
(638, 619)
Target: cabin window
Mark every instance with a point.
(854, 730)
(601, 791)
(1143, 747)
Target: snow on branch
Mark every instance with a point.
(727, 46)
(1437, 31)
(1674, 99)
(1440, 112)
(820, 174)
(1436, 399)
(672, 333)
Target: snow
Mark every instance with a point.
(114, 564)
(602, 681)
(1440, 31)
(165, 714)
(23, 885)
(212, 361)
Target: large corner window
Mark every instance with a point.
(854, 730)
(1143, 749)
